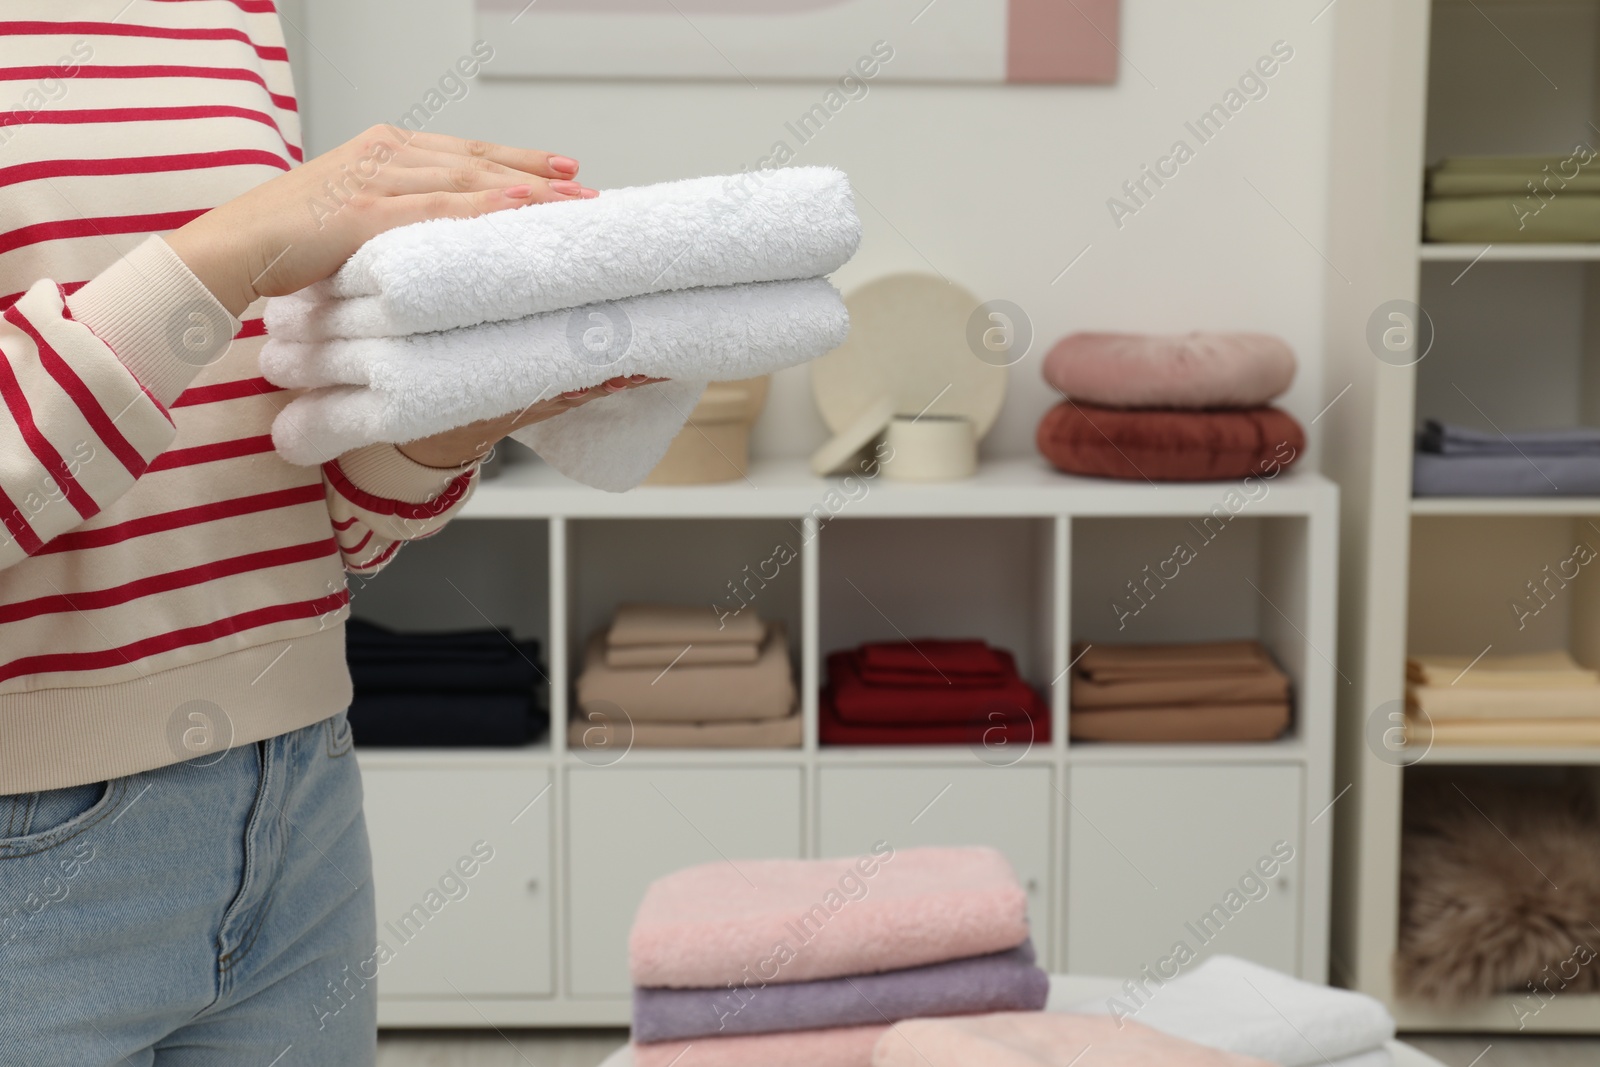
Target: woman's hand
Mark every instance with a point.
(300, 227)
(456, 448)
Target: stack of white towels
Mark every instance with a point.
(436, 325)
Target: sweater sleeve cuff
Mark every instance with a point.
(384, 471)
(159, 319)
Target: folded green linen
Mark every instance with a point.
(1500, 219)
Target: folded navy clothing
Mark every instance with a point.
(1002, 981)
(478, 661)
(1446, 439)
(422, 719)
(1512, 475)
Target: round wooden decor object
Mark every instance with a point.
(908, 341)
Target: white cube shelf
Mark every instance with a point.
(1025, 557)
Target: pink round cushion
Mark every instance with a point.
(1195, 370)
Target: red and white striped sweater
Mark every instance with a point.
(154, 550)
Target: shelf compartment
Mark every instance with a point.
(732, 565)
(1469, 575)
(1214, 577)
(899, 580)
(469, 576)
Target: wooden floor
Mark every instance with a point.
(586, 1048)
(486, 1048)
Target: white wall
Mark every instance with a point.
(998, 188)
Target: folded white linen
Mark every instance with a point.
(1238, 1006)
(770, 225)
(397, 389)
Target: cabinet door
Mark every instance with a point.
(1163, 855)
(1008, 808)
(629, 826)
(451, 932)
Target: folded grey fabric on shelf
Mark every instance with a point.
(1433, 474)
(1448, 439)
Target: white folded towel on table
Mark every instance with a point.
(1238, 1006)
(436, 325)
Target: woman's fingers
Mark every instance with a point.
(392, 211)
(528, 160)
(401, 181)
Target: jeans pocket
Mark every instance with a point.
(340, 737)
(33, 822)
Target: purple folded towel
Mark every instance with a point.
(1002, 981)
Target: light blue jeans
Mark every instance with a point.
(210, 913)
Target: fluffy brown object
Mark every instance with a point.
(1499, 888)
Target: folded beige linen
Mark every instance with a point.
(1531, 670)
(1502, 731)
(586, 736)
(761, 690)
(1457, 702)
(1181, 725)
(680, 624)
(683, 654)
(1107, 663)
(1201, 689)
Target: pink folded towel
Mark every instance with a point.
(760, 921)
(1042, 1039)
(849, 1046)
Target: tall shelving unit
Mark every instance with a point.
(1516, 344)
(1119, 846)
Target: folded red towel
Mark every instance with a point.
(933, 656)
(859, 702)
(991, 733)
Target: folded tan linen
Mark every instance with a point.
(1505, 219)
(586, 736)
(1105, 663)
(1502, 731)
(685, 654)
(1226, 722)
(761, 690)
(1255, 687)
(680, 624)
(1532, 670)
(1457, 702)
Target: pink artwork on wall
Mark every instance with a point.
(1056, 42)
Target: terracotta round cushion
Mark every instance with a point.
(1169, 446)
(1194, 370)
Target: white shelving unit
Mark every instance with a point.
(1118, 845)
(1517, 344)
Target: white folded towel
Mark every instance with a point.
(1238, 1006)
(769, 225)
(398, 389)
